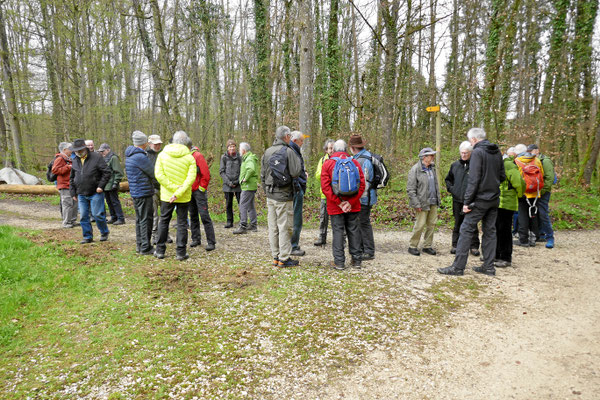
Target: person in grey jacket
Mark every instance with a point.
(424, 197)
(280, 209)
(229, 170)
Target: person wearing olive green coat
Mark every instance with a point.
(323, 216)
(175, 170)
(249, 185)
(511, 189)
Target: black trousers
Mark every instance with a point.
(199, 205)
(114, 205)
(350, 224)
(144, 212)
(527, 224)
(166, 212)
(486, 212)
(458, 220)
(504, 243)
(323, 220)
(367, 245)
(229, 204)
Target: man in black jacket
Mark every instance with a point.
(482, 197)
(89, 175)
(456, 183)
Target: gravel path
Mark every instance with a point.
(541, 341)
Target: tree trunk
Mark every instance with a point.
(263, 83)
(306, 72)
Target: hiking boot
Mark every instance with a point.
(68, 226)
(453, 250)
(111, 221)
(149, 252)
(414, 251)
(240, 230)
(228, 225)
(182, 257)
(550, 243)
(485, 271)
(210, 247)
(86, 241)
(475, 252)
(502, 264)
(195, 243)
(451, 271)
(541, 239)
(119, 222)
(253, 228)
(319, 242)
(158, 255)
(429, 250)
(298, 252)
(275, 262)
(367, 257)
(169, 239)
(519, 243)
(288, 263)
(104, 238)
(337, 267)
(356, 264)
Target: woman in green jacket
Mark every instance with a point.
(249, 185)
(510, 190)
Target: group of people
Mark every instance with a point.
(485, 186)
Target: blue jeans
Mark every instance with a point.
(298, 203)
(95, 205)
(544, 215)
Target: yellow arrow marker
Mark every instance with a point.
(433, 109)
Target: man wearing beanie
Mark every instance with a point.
(140, 173)
(89, 176)
(229, 170)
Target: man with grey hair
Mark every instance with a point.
(61, 167)
(297, 140)
(323, 216)
(175, 170)
(456, 183)
(481, 200)
(89, 143)
(343, 209)
(280, 165)
(249, 185)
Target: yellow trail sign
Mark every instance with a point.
(433, 109)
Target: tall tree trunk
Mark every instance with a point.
(306, 72)
(9, 93)
(389, 11)
(331, 110)
(263, 84)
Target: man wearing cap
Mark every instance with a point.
(175, 170)
(89, 175)
(229, 170)
(546, 230)
(154, 146)
(111, 190)
(369, 197)
(62, 169)
(140, 174)
(296, 142)
(424, 197)
(482, 197)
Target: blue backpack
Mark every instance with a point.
(345, 179)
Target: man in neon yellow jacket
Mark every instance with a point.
(323, 216)
(175, 170)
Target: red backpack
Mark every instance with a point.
(533, 174)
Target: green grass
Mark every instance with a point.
(79, 321)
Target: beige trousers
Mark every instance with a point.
(280, 216)
(425, 221)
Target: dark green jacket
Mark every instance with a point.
(548, 173)
(116, 175)
(512, 188)
(249, 172)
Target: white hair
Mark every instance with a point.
(282, 132)
(476, 133)
(465, 146)
(511, 150)
(88, 142)
(180, 137)
(520, 149)
(244, 146)
(339, 145)
(63, 145)
(297, 135)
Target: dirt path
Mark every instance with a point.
(541, 342)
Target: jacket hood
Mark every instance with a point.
(280, 142)
(489, 147)
(177, 150)
(131, 150)
(525, 157)
(249, 155)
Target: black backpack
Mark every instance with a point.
(49, 175)
(279, 170)
(381, 175)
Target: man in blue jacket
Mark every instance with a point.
(369, 197)
(140, 174)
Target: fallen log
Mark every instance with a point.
(44, 189)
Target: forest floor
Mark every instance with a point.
(533, 332)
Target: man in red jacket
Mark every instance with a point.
(62, 169)
(199, 204)
(343, 211)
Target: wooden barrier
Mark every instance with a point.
(44, 189)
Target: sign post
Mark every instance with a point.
(438, 140)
